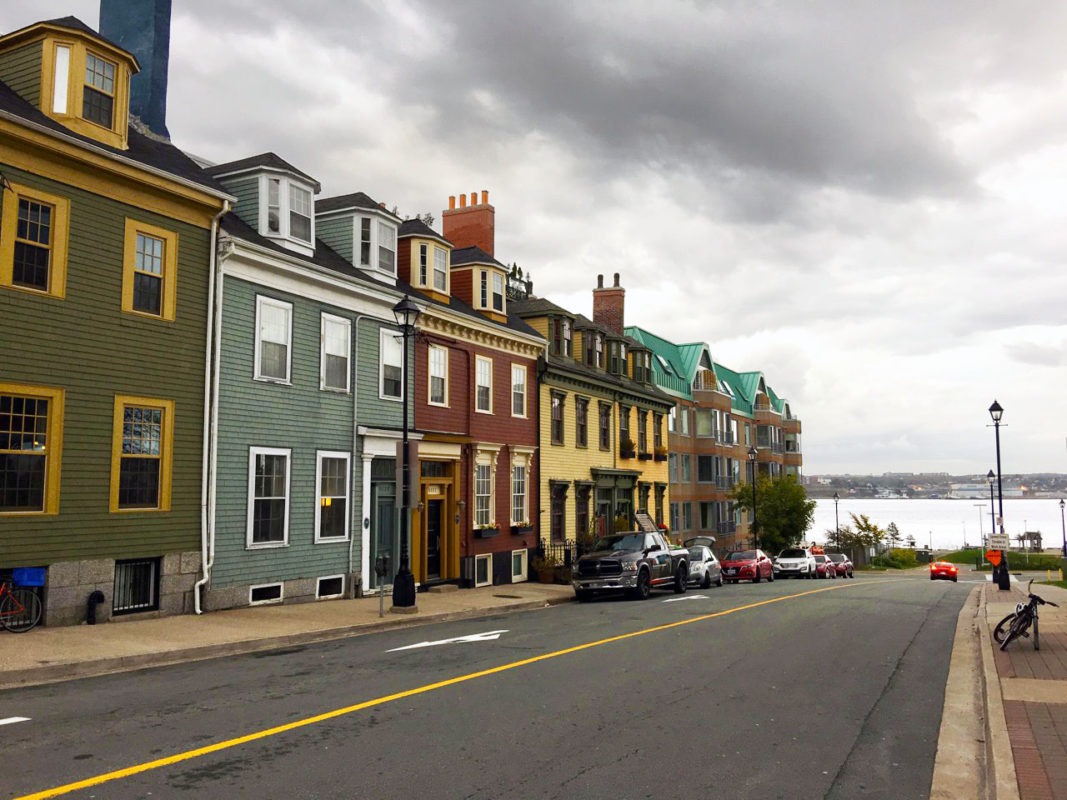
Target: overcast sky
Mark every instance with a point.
(862, 200)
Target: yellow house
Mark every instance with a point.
(602, 421)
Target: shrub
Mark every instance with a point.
(898, 558)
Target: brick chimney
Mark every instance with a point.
(471, 225)
(609, 305)
(143, 28)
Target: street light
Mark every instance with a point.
(406, 312)
(1064, 529)
(1003, 579)
(752, 453)
(837, 524)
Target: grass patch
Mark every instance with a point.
(1016, 561)
(1061, 584)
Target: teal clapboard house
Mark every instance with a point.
(302, 490)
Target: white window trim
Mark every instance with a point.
(318, 587)
(284, 208)
(347, 458)
(523, 574)
(515, 368)
(478, 361)
(373, 263)
(520, 457)
(429, 376)
(487, 455)
(433, 269)
(263, 300)
(347, 324)
(392, 334)
(268, 451)
(274, 601)
(488, 558)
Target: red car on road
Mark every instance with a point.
(943, 570)
(824, 567)
(747, 565)
(842, 563)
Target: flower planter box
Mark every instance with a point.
(644, 456)
(659, 457)
(486, 533)
(518, 530)
(626, 454)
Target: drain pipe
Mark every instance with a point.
(210, 422)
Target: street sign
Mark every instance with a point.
(999, 541)
(993, 557)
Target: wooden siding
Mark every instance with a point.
(300, 417)
(246, 190)
(86, 345)
(339, 234)
(21, 70)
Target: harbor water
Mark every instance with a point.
(944, 524)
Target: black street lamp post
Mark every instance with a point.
(992, 508)
(837, 524)
(406, 312)
(1002, 576)
(752, 453)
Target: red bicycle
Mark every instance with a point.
(20, 609)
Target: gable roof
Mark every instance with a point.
(258, 162)
(465, 256)
(416, 227)
(353, 200)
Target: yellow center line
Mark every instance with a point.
(147, 766)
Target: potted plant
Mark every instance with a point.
(486, 531)
(545, 567)
(626, 448)
(660, 453)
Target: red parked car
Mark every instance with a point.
(747, 565)
(943, 570)
(824, 567)
(842, 563)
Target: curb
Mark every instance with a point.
(1003, 783)
(56, 673)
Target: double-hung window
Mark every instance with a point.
(484, 385)
(483, 493)
(268, 497)
(624, 427)
(518, 390)
(377, 245)
(386, 248)
(31, 442)
(605, 426)
(33, 241)
(149, 270)
(424, 266)
(392, 355)
(289, 212)
(519, 514)
(299, 213)
(98, 93)
(642, 431)
(498, 292)
(581, 421)
(331, 477)
(274, 333)
(557, 418)
(440, 269)
(336, 340)
(438, 358)
(141, 459)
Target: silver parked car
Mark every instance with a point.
(704, 567)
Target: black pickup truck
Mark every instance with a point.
(634, 562)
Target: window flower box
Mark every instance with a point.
(487, 531)
(644, 456)
(519, 528)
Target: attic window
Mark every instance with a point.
(289, 211)
(98, 96)
(377, 245)
(665, 364)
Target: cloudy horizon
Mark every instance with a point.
(856, 199)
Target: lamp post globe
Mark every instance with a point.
(406, 313)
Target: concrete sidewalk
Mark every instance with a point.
(1026, 692)
(46, 655)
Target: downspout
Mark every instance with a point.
(207, 482)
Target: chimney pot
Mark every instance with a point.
(485, 197)
(474, 198)
(616, 279)
(600, 281)
(463, 201)
(451, 202)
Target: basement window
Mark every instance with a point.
(265, 594)
(330, 587)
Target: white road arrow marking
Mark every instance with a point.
(687, 597)
(475, 637)
(11, 720)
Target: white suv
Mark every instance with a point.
(797, 562)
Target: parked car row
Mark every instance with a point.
(802, 562)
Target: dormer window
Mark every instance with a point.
(440, 269)
(642, 367)
(594, 349)
(492, 291)
(377, 245)
(289, 211)
(618, 358)
(98, 94)
(433, 267)
(561, 336)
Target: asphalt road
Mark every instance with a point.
(797, 689)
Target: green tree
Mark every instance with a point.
(783, 511)
(892, 533)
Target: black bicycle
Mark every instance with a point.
(1019, 623)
